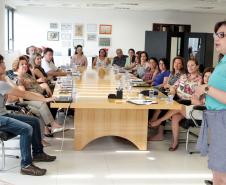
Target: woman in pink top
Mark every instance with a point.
(79, 58)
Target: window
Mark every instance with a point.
(9, 29)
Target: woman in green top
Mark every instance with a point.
(215, 116)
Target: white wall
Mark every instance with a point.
(128, 27)
(2, 30)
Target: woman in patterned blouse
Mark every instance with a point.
(184, 88)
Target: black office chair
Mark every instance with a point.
(188, 124)
(5, 136)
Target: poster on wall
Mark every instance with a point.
(52, 35)
(53, 25)
(105, 29)
(79, 30)
(104, 41)
(91, 37)
(66, 44)
(65, 36)
(66, 27)
(78, 42)
(92, 28)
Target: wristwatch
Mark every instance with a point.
(206, 90)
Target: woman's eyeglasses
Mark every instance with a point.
(220, 35)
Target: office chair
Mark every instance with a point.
(189, 124)
(5, 136)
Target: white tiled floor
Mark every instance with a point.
(113, 161)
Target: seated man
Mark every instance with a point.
(120, 59)
(49, 66)
(27, 127)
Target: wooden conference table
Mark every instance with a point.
(97, 116)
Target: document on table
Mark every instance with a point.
(142, 102)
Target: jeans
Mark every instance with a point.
(29, 130)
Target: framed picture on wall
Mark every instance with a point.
(105, 29)
(78, 42)
(91, 36)
(66, 27)
(92, 28)
(79, 30)
(65, 36)
(104, 41)
(53, 25)
(52, 35)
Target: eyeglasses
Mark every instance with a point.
(220, 35)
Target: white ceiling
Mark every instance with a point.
(202, 6)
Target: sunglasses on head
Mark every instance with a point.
(220, 35)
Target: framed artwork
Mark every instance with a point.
(65, 36)
(52, 35)
(92, 28)
(79, 30)
(104, 41)
(78, 42)
(53, 25)
(105, 29)
(66, 27)
(91, 36)
(66, 44)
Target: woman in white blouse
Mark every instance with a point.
(79, 58)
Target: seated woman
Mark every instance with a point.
(141, 67)
(102, 60)
(130, 60)
(79, 58)
(28, 83)
(178, 70)
(163, 72)
(184, 88)
(38, 72)
(151, 71)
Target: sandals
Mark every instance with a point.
(172, 149)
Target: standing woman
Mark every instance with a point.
(215, 116)
(79, 58)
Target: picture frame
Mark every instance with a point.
(105, 29)
(92, 28)
(53, 25)
(104, 41)
(78, 30)
(91, 37)
(65, 36)
(52, 35)
(66, 27)
(78, 42)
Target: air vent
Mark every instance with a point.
(130, 4)
(209, 1)
(36, 5)
(66, 5)
(204, 8)
(99, 5)
(122, 8)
